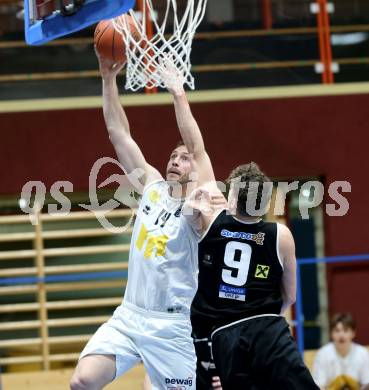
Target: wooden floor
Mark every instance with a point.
(59, 380)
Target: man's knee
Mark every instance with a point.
(93, 372)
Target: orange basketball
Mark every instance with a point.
(109, 42)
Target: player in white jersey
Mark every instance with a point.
(153, 323)
(191, 135)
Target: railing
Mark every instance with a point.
(300, 320)
(321, 57)
(39, 280)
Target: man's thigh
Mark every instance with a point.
(113, 342)
(232, 363)
(170, 363)
(260, 354)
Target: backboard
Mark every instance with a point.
(45, 20)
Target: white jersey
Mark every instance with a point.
(162, 269)
(328, 365)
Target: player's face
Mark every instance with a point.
(180, 165)
(342, 336)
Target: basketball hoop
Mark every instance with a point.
(143, 55)
(45, 20)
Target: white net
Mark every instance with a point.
(144, 50)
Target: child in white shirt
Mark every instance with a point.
(342, 364)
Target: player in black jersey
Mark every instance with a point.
(246, 281)
(246, 273)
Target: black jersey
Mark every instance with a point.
(240, 273)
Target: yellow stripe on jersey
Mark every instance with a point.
(141, 237)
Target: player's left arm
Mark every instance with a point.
(192, 138)
(287, 253)
(188, 127)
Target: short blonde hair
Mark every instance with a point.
(251, 173)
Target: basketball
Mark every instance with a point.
(109, 42)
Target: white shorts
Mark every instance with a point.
(161, 341)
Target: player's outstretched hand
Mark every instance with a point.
(205, 201)
(216, 383)
(108, 68)
(171, 76)
(196, 203)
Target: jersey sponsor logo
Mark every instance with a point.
(207, 260)
(258, 238)
(146, 210)
(179, 381)
(262, 271)
(154, 196)
(174, 309)
(178, 212)
(236, 293)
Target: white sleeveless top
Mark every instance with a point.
(162, 269)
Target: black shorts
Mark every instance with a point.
(205, 369)
(260, 354)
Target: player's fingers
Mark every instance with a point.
(162, 64)
(96, 52)
(217, 206)
(162, 68)
(204, 194)
(216, 383)
(106, 63)
(118, 66)
(218, 197)
(218, 200)
(165, 62)
(173, 68)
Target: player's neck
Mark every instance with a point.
(178, 192)
(343, 350)
(246, 219)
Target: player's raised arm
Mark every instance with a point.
(188, 127)
(288, 256)
(128, 152)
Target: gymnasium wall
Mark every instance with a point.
(291, 137)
